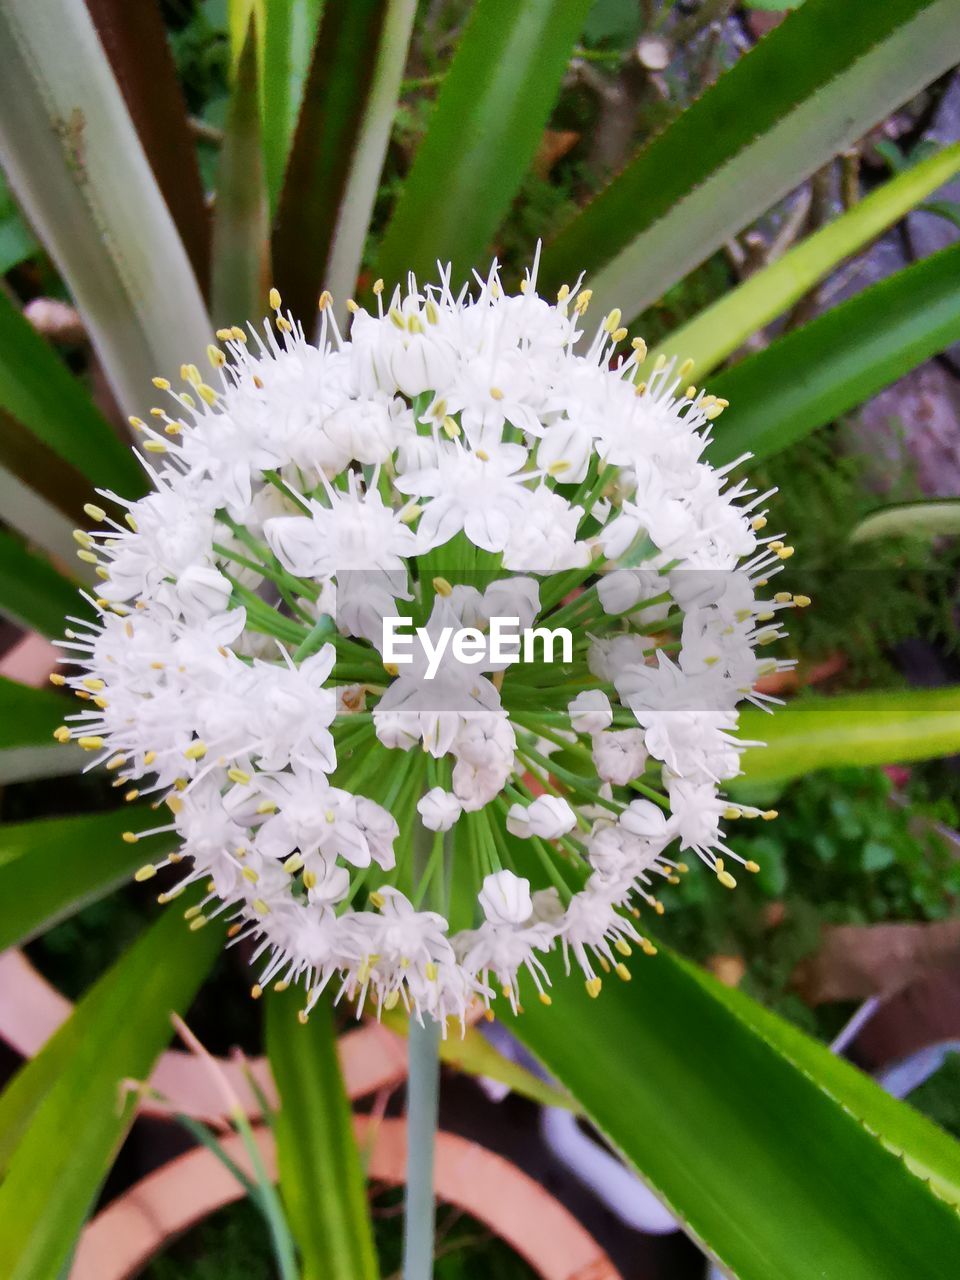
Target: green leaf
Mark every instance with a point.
(28, 718)
(135, 41)
(807, 91)
(241, 246)
(73, 159)
(929, 519)
(32, 592)
(40, 396)
(53, 867)
(484, 132)
(833, 364)
(721, 328)
(321, 1175)
(338, 149)
(16, 239)
(61, 1120)
(926, 1149)
(763, 1166)
(850, 729)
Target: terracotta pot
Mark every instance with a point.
(122, 1238)
(371, 1057)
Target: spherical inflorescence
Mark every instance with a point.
(425, 833)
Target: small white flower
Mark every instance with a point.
(438, 809)
(548, 817)
(505, 898)
(590, 711)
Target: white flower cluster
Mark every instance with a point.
(457, 457)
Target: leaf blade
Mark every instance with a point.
(857, 728)
(815, 374)
(483, 134)
(808, 90)
(830, 1210)
(116, 1032)
(321, 1177)
(931, 518)
(32, 592)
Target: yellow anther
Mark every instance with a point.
(377, 899)
(280, 986)
(215, 356)
(557, 468)
(303, 1017)
(293, 864)
(57, 679)
(496, 393)
(691, 392)
(618, 335)
(198, 923)
(481, 454)
(776, 546)
(524, 286)
(284, 325)
(583, 301)
(732, 812)
(593, 986)
(685, 370)
(224, 335)
(442, 587)
(131, 794)
(90, 744)
(196, 751)
(256, 991)
(154, 446)
(641, 389)
(309, 879)
(129, 837)
(563, 293)
(430, 970)
(145, 873)
(352, 306)
(94, 512)
(623, 947)
(81, 536)
(206, 394)
(604, 964)
(137, 423)
(623, 972)
(544, 998)
(238, 775)
(431, 311)
(238, 334)
(410, 513)
(759, 522)
(659, 363)
(88, 557)
(801, 601)
(260, 906)
(378, 287)
(764, 617)
(752, 867)
(768, 815)
(325, 300)
(451, 427)
(786, 552)
(640, 347)
(612, 320)
(274, 299)
(250, 874)
(783, 597)
(116, 763)
(648, 948)
(266, 806)
(726, 879)
(391, 668)
(149, 757)
(62, 734)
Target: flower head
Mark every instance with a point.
(464, 461)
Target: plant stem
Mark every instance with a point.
(423, 1094)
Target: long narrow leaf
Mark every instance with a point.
(72, 156)
(28, 718)
(61, 1117)
(339, 144)
(833, 364)
(135, 41)
(765, 1168)
(856, 728)
(321, 1177)
(38, 394)
(483, 134)
(53, 867)
(930, 519)
(928, 1151)
(32, 592)
(241, 219)
(811, 88)
(35, 518)
(718, 330)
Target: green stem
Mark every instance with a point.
(423, 1102)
